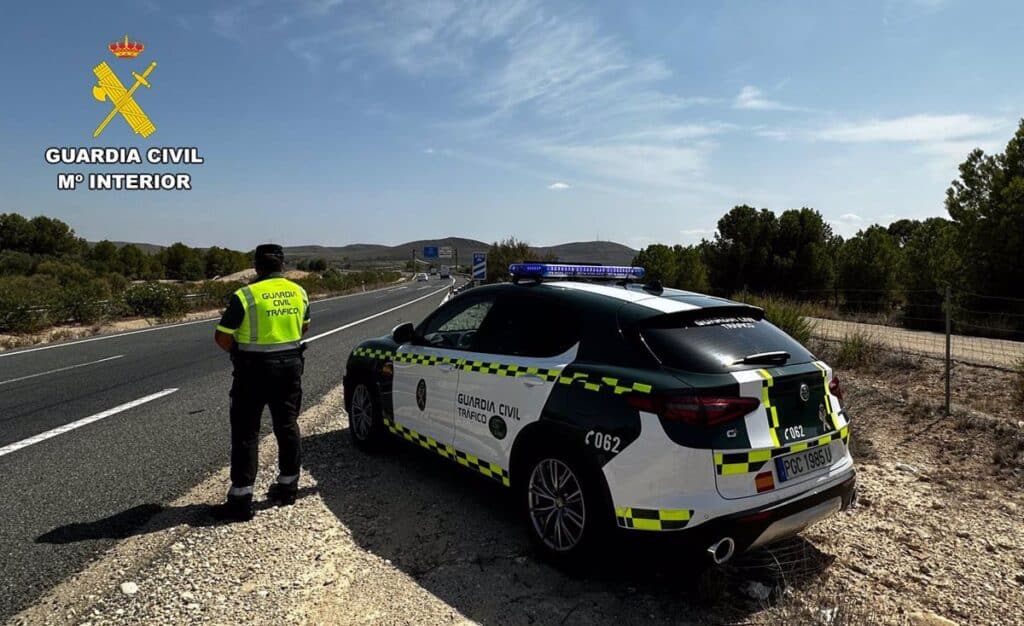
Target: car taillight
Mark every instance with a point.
(835, 387)
(694, 409)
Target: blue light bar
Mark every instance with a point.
(568, 270)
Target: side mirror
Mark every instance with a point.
(403, 333)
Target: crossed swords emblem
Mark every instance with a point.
(110, 87)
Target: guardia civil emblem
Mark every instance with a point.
(111, 89)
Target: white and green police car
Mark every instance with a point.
(604, 402)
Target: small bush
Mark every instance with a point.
(84, 302)
(25, 302)
(856, 350)
(214, 294)
(153, 299)
(788, 315)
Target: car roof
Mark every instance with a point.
(646, 302)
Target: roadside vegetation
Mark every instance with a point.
(50, 276)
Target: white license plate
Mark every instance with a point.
(800, 463)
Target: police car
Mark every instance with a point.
(605, 403)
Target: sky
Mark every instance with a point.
(341, 121)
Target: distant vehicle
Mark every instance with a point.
(446, 272)
(421, 277)
(433, 271)
(615, 406)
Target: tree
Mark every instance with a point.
(930, 260)
(103, 257)
(869, 269)
(318, 265)
(15, 233)
(987, 205)
(183, 263)
(660, 263)
(53, 237)
(691, 272)
(132, 261)
(802, 264)
(502, 254)
(740, 256)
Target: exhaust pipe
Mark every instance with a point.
(722, 550)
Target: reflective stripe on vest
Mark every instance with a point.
(275, 309)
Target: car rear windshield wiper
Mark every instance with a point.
(764, 358)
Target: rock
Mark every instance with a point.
(188, 596)
(925, 618)
(903, 467)
(826, 617)
(756, 591)
(129, 588)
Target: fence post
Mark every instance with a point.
(949, 329)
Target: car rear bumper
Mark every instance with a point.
(760, 526)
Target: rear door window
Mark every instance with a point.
(713, 344)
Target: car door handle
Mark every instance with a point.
(446, 367)
(532, 381)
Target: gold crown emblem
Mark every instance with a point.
(126, 49)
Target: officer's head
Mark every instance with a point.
(269, 259)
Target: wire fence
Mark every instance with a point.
(952, 325)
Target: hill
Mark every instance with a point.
(607, 252)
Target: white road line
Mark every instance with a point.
(366, 319)
(153, 329)
(60, 369)
(60, 430)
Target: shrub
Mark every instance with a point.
(856, 350)
(154, 299)
(788, 315)
(214, 293)
(25, 302)
(85, 302)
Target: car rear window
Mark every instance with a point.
(712, 344)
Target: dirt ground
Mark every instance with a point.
(404, 538)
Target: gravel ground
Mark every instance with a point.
(406, 538)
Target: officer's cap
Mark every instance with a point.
(269, 250)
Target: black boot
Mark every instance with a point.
(283, 495)
(235, 509)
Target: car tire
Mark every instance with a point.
(565, 506)
(365, 421)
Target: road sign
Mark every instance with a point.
(429, 252)
(479, 266)
(445, 252)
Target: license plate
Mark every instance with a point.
(801, 463)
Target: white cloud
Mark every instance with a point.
(559, 186)
(914, 128)
(850, 217)
(752, 99)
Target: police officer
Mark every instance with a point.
(262, 328)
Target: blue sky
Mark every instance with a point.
(340, 121)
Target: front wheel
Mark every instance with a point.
(566, 510)
(364, 419)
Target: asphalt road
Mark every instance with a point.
(148, 453)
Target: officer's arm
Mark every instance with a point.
(232, 319)
(224, 340)
(305, 320)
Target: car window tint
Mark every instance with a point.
(527, 325)
(712, 345)
(454, 325)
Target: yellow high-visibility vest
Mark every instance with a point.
(275, 309)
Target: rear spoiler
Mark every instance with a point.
(730, 313)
